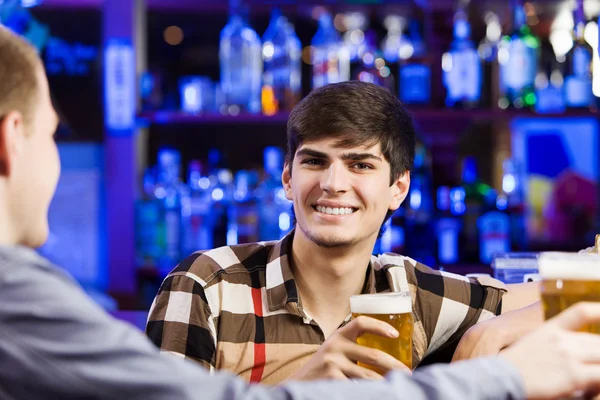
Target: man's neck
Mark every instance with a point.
(7, 234)
(327, 277)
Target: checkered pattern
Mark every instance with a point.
(236, 308)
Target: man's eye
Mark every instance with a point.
(363, 166)
(312, 161)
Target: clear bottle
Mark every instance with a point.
(281, 51)
(241, 64)
(330, 57)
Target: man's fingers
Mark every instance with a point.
(373, 357)
(577, 316)
(355, 371)
(361, 325)
(584, 346)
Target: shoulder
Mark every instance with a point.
(209, 267)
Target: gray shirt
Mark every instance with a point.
(57, 343)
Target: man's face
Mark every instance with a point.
(341, 195)
(36, 170)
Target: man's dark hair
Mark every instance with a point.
(355, 113)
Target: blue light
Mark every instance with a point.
(415, 199)
(509, 183)
(501, 203)
(284, 221)
(218, 194)
(119, 82)
(30, 3)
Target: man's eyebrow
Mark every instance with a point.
(360, 157)
(312, 153)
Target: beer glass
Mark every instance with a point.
(568, 278)
(396, 310)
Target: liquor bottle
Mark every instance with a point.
(494, 230)
(281, 88)
(243, 212)
(578, 68)
(241, 64)
(274, 213)
(149, 224)
(168, 190)
(475, 195)
(330, 57)
(196, 209)
(461, 66)
(415, 70)
(448, 229)
(518, 56)
(420, 235)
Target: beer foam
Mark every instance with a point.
(569, 266)
(382, 303)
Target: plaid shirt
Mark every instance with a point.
(236, 308)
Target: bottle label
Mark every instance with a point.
(415, 83)
(582, 61)
(578, 91)
(463, 80)
(519, 70)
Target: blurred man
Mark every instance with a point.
(55, 343)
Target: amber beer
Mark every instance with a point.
(568, 278)
(396, 310)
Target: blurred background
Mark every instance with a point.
(173, 118)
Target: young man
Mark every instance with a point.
(55, 343)
(268, 311)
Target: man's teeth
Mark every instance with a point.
(335, 211)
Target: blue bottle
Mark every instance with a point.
(243, 212)
(274, 209)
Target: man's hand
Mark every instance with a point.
(556, 360)
(491, 336)
(337, 357)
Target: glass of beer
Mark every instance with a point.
(396, 310)
(568, 278)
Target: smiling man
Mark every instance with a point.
(279, 310)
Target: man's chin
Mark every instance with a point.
(330, 241)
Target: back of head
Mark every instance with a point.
(356, 113)
(18, 74)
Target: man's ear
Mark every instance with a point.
(11, 126)
(399, 190)
(286, 180)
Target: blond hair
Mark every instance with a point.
(19, 85)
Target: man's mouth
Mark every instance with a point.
(335, 210)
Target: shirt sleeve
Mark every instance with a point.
(180, 320)
(447, 304)
(56, 343)
(482, 379)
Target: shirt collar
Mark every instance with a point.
(280, 285)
